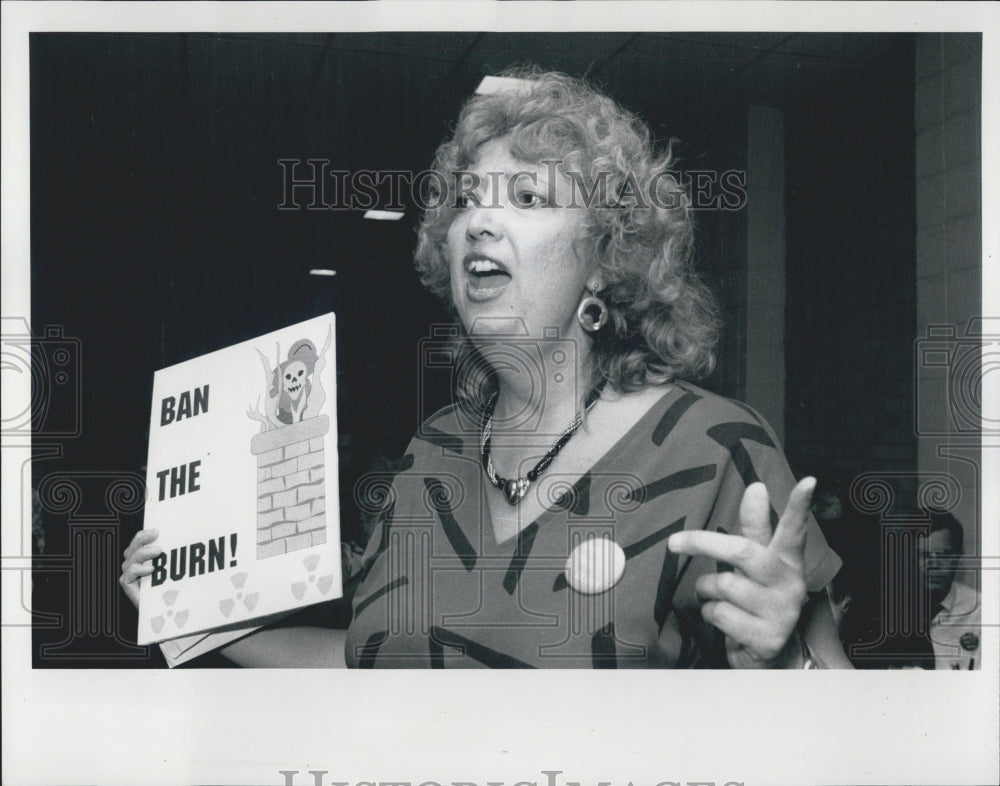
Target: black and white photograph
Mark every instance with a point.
(498, 337)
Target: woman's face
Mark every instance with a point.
(511, 249)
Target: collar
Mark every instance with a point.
(960, 600)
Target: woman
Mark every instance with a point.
(581, 506)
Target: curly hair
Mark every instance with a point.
(663, 321)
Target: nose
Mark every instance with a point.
(484, 222)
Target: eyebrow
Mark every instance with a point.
(541, 172)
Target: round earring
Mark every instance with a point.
(585, 312)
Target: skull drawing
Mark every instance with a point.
(295, 386)
(294, 380)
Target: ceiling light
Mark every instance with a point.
(384, 215)
(322, 271)
(502, 84)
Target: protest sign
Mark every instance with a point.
(242, 485)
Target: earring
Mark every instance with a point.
(585, 312)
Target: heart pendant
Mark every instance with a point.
(514, 490)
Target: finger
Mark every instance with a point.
(136, 571)
(131, 589)
(789, 539)
(734, 588)
(145, 553)
(741, 553)
(755, 514)
(142, 538)
(764, 641)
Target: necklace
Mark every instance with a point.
(515, 489)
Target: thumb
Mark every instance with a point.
(755, 514)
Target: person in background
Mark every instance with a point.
(953, 607)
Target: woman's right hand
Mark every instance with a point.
(138, 562)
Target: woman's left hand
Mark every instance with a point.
(757, 604)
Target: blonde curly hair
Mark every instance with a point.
(663, 321)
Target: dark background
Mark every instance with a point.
(156, 237)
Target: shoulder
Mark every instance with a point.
(713, 404)
(693, 408)
(704, 427)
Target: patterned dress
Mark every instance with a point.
(439, 592)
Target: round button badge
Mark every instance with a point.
(595, 566)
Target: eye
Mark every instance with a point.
(526, 198)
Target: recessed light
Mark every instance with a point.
(384, 215)
(502, 84)
(322, 271)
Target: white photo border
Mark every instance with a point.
(158, 726)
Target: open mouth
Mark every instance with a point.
(486, 276)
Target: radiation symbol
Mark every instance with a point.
(321, 583)
(247, 600)
(179, 616)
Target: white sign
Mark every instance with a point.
(242, 484)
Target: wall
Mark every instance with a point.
(850, 276)
(765, 313)
(947, 120)
(719, 146)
